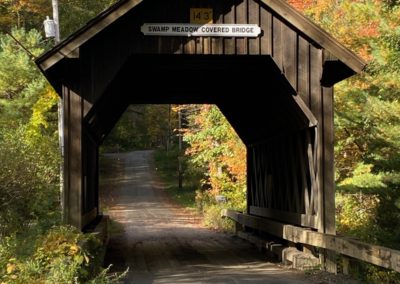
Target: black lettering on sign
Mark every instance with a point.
(197, 15)
(158, 29)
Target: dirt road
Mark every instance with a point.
(162, 244)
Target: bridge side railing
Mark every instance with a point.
(378, 255)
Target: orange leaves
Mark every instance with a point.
(301, 5)
(214, 144)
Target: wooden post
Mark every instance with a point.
(73, 158)
(328, 209)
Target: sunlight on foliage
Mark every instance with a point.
(214, 145)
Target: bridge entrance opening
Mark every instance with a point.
(156, 238)
(274, 121)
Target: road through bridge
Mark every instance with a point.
(161, 243)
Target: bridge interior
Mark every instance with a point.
(270, 117)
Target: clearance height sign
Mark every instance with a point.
(213, 30)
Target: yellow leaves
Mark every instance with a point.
(40, 110)
(11, 267)
(356, 213)
(73, 250)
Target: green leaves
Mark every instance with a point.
(28, 137)
(215, 147)
(21, 83)
(76, 13)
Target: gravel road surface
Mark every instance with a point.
(162, 243)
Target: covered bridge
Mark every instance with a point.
(269, 69)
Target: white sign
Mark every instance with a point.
(216, 30)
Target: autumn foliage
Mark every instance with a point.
(214, 146)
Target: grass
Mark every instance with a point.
(166, 165)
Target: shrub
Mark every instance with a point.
(62, 255)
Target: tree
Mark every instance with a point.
(26, 14)
(142, 127)
(75, 13)
(30, 14)
(28, 136)
(21, 83)
(214, 146)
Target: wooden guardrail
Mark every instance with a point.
(378, 255)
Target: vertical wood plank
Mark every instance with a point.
(293, 155)
(303, 167)
(277, 48)
(288, 195)
(269, 184)
(176, 44)
(263, 172)
(328, 169)
(241, 18)
(275, 178)
(199, 45)
(266, 27)
(229, 43)
(256, 163)
(206, 45)
(65, 201)
(217, 42)
(277, 163)
(265, 176)
(303, 81)
(328, 163)
(316, 109)
(75, 152)
(289, 59)
(254, 18)
(312, 173)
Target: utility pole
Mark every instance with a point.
(56, 21)
(60, 104)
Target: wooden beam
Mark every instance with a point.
(294, 218)
(306, 113)
(378, 255)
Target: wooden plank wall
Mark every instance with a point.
(280, 180)
(307, 176)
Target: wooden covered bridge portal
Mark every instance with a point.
(275, 86)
